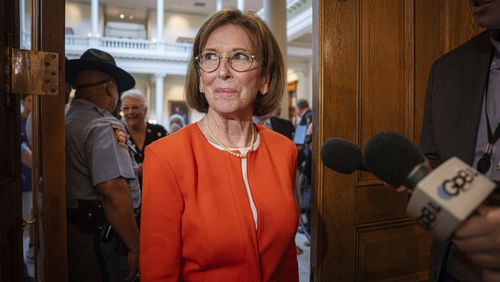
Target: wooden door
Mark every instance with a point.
(47, 34)
(49, 149)
(11, 261)
(370, 74)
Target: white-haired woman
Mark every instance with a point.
(176, 122)
(142, 133)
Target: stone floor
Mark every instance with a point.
(304, 258)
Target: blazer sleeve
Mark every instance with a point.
(290, 270)
(427, 137)
(162, 207)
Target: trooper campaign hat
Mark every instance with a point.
(94, 59)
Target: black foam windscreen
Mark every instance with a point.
(341, 155)
(391, 157)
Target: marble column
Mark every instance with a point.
(94, 17)
(160, 19)
(159, 101)
(241, 5)
(274, 13)
(219, 5)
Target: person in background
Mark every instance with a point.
(461, 106)
(218, 199)
(26, 182)
(280, 125)
(304, 112)
(305, 171)
(26, 162)
(176, 122)
(102, 180)
(142, 133)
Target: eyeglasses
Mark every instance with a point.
(239, 61)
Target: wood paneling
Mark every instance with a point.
(429, 27)
(459, 24)
(52, 144)
(385, 64)
(370, 74)
(387, 251)
(374, 203)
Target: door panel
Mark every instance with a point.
(371, 74)
(11, 264)
(387, 251)
(51, 157)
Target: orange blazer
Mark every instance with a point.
(197, 224)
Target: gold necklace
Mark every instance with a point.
(239, 155)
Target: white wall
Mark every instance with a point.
(78, 18)
(176, 25)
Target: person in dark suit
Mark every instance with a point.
(304, 112)
(463, 100)
(280, 125)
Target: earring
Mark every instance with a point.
(201, 90)
(264, 91)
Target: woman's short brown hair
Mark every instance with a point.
(267, 51)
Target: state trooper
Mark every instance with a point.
(103, 190)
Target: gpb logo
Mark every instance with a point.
(454, 186)
(428, 215)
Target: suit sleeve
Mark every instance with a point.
(162, 207)
(427, 138)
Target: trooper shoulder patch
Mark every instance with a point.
(120, 135)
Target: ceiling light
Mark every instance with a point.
(122, 16)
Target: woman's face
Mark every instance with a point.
(229, 92)
(27, 105)
(134, 111)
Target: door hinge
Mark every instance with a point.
(31, 72)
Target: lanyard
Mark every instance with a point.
(483, 165)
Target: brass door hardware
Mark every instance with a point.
(31, 72)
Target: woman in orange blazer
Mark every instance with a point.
(218, 201)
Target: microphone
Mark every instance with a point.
(441, 198)
(341, 156)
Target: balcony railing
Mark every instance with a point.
(129, 48)
(120, 43)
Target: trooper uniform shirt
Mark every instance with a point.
(97, 150)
